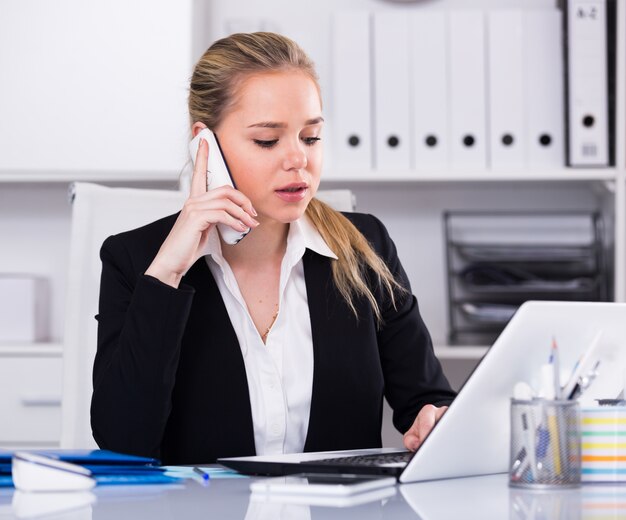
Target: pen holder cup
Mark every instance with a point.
(545, 443)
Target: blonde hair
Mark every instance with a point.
(213, 91)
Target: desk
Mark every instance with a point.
(483, 498)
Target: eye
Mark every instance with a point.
(310, 141)
(265, 144)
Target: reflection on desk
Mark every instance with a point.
(484, 498)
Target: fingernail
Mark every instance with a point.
(254, 211)
(255, 223)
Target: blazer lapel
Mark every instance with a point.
(209, 324)
(321, 296)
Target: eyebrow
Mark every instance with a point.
(272, 124)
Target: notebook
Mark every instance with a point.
(472, 438)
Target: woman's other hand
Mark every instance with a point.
(423, 424)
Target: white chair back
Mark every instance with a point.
(97, 213)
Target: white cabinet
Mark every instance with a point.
(96, 88)
(30, 406)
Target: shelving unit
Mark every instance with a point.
(35, 349)
(35, 214)
(63, 177)
(564, 174)
(462, 352)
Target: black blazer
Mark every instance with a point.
(169, 378)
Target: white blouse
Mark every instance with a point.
(280, 371)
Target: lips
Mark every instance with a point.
(293, 188)
(294, 192)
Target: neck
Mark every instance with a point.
(268, 241)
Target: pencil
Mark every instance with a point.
(553, 428)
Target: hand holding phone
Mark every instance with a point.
(217, 175)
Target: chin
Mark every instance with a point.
(289, 215)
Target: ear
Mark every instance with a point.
(197, 127)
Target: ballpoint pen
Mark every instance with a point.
(529, 429)
(554, 358)
(519, 465)
(584, 382)
(554, 429)
(205, 476)
(526, 457)
(581, 365)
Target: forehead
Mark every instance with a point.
(277, 96)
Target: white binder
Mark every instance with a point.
(505, 87)
(467, 89)
(429, 74)
(587, 83)
(391, 92)
(543, 88)
(351, 79)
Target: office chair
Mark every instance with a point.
(98, 212)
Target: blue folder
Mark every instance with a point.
(85, 457)
(107, 467)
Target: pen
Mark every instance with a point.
(202, 473)
(554, 428)
(584, 382)
(525, 458)
(581, 365)
(529, 429)
(554, 358)
(520, 464)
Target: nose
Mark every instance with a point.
(295, 158)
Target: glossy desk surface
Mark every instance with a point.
(487, 497)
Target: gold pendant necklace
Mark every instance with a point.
(267, 331)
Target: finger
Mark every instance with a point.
(421, 427)
(411, 442)
(235, 223)
(224, 217)
(239, 213)
(411, 438)
(426, 421)
(230, 193)
(198, 180)
(205, 214)
(239, 198)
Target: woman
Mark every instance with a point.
(284, 342)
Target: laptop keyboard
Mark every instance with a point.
(398, 458)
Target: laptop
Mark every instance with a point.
(472, 438)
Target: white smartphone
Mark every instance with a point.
(338, 484)
(217, 175)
